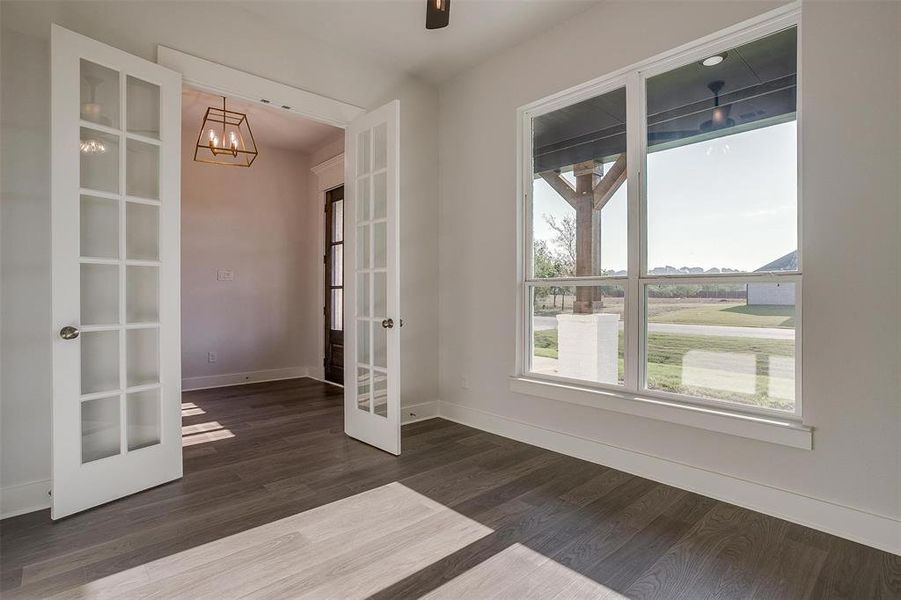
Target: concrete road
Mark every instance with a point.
(769, 333)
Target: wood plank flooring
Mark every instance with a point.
(277, 503)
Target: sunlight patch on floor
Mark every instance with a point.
(350, 548)
(520, 572)
(206, 436)
(201, 427)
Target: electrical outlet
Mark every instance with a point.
(464, 382)
(211, 356)
(225, 275)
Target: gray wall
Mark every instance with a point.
(252, 221)
(850, 187)
(137, 27)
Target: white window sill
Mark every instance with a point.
(767, 429)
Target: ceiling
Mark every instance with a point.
(393, 31)
(272, 127)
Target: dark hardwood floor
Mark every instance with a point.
(277, 502)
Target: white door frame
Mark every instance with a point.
(226, 81)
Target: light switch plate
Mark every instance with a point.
(225, 275)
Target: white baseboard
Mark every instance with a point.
(215, 381)
(412, 413)
(24, 498)
(878, 531)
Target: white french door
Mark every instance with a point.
(115, 263)
(371, 308)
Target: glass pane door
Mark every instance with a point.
(372, 327)
(119, 262)
(370, 269)
(115, 155)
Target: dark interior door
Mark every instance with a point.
(334, 285)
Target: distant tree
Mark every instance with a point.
(547, 265)
(564, 242)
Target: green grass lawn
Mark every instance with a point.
(667, 350)
(727, 313)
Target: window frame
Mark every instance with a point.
(633, 78)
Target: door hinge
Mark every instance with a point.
(323, 310)
(324, 258)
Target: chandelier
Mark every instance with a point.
(225, 138)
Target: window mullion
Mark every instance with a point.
(634, 161)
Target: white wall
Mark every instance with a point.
(250, 221)
(850, 144)
(230, 36)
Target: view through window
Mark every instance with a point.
(714, 296)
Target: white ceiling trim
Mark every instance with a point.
(226, 81)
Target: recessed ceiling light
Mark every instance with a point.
(713, 60)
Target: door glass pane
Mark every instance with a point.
(99, 361)
(142, 294)
(380, 393)
(364, 386)
(142, 356)
(578, 332)
(380, 196)
(579, 189)
(99, 94)
(337, 266)
(99, 294)
(363, 294)
(363, 152)
(380, 146)
(379, 345)
(99, 219)
(722, 173)
(723, 342)
(142, 107)
(363, 199)
(99, 160)
(379, 295)
(363, 327)
(338, 221)
(363, 247)
(380, 245)
(99, 428)
(143, 419)
(142, 231)
(337, 306)
(142, 170)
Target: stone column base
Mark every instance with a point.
(588, 346)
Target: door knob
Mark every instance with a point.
(388, 323)
(68, 332)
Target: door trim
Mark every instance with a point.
(223, 80)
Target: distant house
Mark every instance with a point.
(782, 294)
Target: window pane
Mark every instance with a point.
(577, 332)
(338, 221)
(579, 189)
(723, 342)
(722, 162)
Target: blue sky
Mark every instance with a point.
(729, 202)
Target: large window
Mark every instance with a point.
(661, 229)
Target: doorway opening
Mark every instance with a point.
(252, 241)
